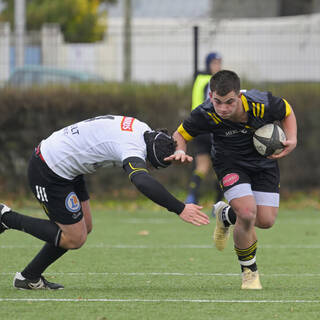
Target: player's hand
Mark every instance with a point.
(289, 145)
(192, 214)
(180, 157)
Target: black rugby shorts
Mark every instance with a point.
(264, 180)
(59, 197)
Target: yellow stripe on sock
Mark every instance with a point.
(247, 251)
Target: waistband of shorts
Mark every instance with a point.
(37, 152)
(38, 156)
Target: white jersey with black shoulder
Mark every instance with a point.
(85, 146)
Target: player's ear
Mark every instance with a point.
(210, 94)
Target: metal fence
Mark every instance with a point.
(282, 49)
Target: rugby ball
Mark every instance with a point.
(268, 139)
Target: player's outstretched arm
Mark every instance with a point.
(156, 192)
(180, 155)
(289, 125)
(192, 213)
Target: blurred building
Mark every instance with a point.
(275, 40)
(261, 40)
(218, 9)
(222, 9)
(156, 9)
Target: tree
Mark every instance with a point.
(79, 20)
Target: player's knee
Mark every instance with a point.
(78, 241)
(266, 218)
(89, 228)
(246, 214)
(265, 223)
(75, 242)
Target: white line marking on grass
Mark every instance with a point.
(157, 300)
(133, 274)
(174, 274)
(182, 246)
(146, 221)
(290, 246)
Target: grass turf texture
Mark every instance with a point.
(146, 263)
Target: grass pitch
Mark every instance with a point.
(146, 263)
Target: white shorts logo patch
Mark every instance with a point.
(72, 202)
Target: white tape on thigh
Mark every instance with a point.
(267, 198)
(238, 191)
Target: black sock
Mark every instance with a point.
(253, 267)
(45, 230)
(228, 216)
(47, 255)
(247, 257)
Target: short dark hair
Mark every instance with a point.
(225, 81)
(159, 146)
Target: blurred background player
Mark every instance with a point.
(202, 144)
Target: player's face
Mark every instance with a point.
(227, 107)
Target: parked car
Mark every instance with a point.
(42, 76)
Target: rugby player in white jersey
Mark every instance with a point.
(55, 174)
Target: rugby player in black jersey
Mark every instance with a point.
(250, 181)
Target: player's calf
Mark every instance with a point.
(45, 230)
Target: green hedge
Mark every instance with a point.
(28, 116)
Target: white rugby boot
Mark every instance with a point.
(221, 232)
(250, 280)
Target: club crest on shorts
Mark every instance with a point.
(72, 202)
(230, 179)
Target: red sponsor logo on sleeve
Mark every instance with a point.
(230, 179)
(126, 123)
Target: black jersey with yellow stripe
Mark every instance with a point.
(232, 141)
